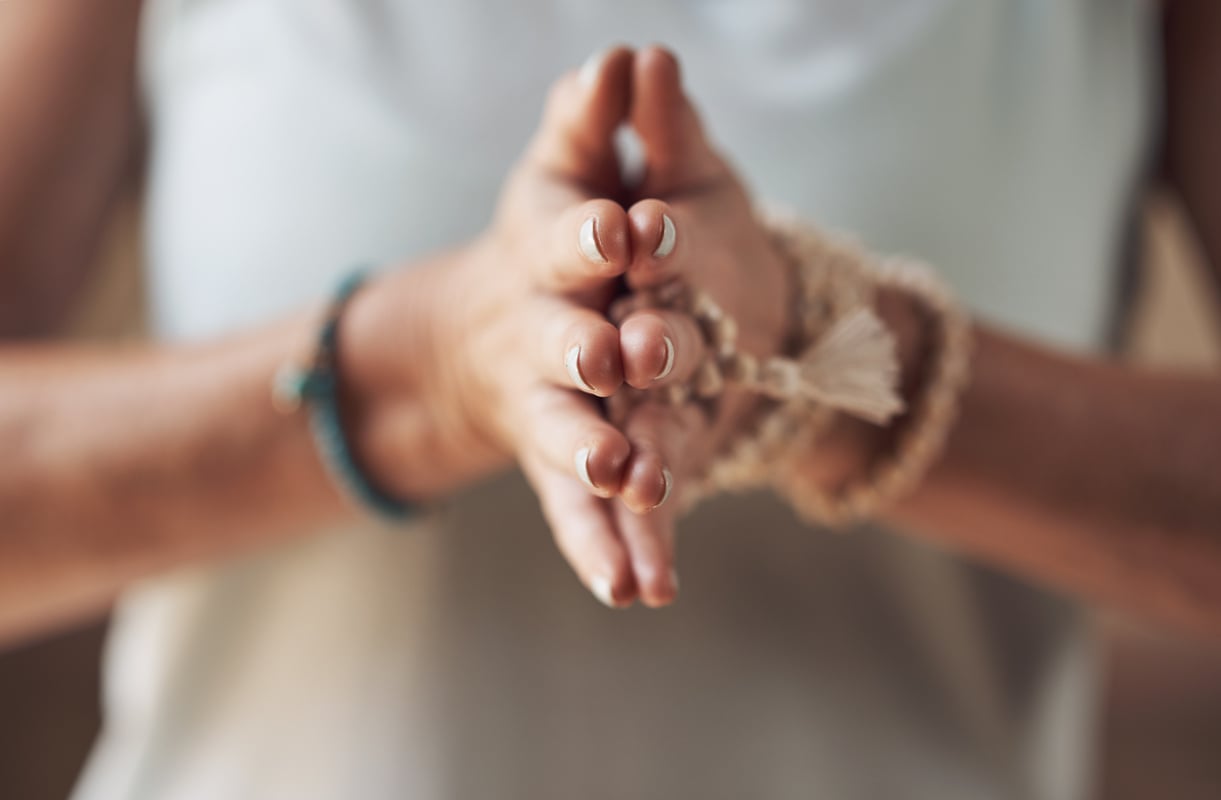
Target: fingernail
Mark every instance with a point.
(571, 363)
(667, 481)
(588, 241)
(668, 235)
(674, 580)
(668, 367)
(591, 67)
(581, 461)
(601, 587)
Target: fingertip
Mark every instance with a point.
(603, 239)
(659, 61)
(601, 461)
(594, 360)
(660, 589)
(583, 530)
(647, 483)
(614, 586)
(584, 108)
(605, 65)
(657, 76)
(649, 540)
(647, 350)
(677, 152)
(656, 237)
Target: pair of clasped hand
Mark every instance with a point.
(507, 367)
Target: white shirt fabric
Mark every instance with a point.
(292, 139)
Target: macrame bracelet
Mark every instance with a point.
(317, 387)
(926, 428)
(839, 359)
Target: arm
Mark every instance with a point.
(71, 125)
(1101, 479)
(1094, 477)
(1091, 477)
(121, 463)
(79, 426)
(1097, 478)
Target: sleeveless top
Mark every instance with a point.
(460, 658)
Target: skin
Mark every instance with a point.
(1083, 474)
(173, 454)
(125, 463)
(62, 70)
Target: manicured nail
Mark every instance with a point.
(588, 241)
(600, 585)
(666, 246)
(581, 461)
(667, 481)
(571, 362)
(591, 67)
(668, 367)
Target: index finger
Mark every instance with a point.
(585, 249)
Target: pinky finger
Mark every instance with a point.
(650, 544)
(585, 534)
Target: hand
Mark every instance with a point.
(718, 247)
(497, 351)
(507, 339)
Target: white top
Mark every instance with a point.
(294, 138)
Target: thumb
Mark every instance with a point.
(677, 154)
(576, 139)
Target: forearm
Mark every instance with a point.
(1092, 477)
(71, 125)
(120, 464)
(1099, 479)
(123, 463)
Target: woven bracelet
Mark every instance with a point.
(317, 388)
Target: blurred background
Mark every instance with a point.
(1162, 724)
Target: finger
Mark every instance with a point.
(649, 540)
(584, 532)
(566, 431)
(659, 246)
(676, 151)
(661, 438)
(589, 244)
(659, 347)
(584, 109)
(578, 348)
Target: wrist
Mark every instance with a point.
(851, 447)
(399, 397)
(316, 387)
(772, 284)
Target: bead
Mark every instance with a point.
(708, 380)
(740, 368)
(677, 394)
(834, 277)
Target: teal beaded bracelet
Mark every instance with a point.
(317, 388)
